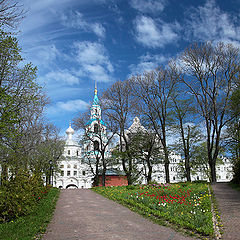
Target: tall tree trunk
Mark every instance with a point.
(187, 168)
(166, 160)
(96, 177)
(129, 178)
(187, 155)
(104, 171)
(127, 172)
(212, 165)
(149, 174)
(166, 166)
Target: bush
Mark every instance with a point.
(19, 195)
(34, 224)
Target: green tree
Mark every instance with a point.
(210, 72)
(187, 133)
(233, 132)
(9, 59)
(147, 150)
(199, 160)
(23, 130)
(234, 125)
(103, 132)
(118, 107)
(153, 91)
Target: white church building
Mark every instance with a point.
(75, 171)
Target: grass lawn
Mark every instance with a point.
(34, 224)
(185, 205)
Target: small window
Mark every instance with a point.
(77, 153)
(83, 173)
(173, 178)
(75, 166)
(62, 166)
(75, 173)
(69, 152)
(197, 177)
(68, 173)
(62, 173)
(68, 166)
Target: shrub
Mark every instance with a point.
(33, 225)
(19, 195)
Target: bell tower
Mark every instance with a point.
(96, 109)
(95, 129)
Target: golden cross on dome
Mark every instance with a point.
(95, 91)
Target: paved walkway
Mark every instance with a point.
(228, 201)
(85, 215)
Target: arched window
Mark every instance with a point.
(96, 128)
(96, 146)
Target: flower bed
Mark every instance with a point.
(187, 204)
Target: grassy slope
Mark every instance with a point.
(148, 212)
(34, 224)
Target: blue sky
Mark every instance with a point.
(75, 42)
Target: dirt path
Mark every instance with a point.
(85, 215)
(228, 201)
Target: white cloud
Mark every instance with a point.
(98, 29)
(76, 20)
(209, 22)
(91, 53)
(148, 6)
(42, 55)
(147, 63)
(94, 61)
(62, 76)
(73, 105)
(153, 35)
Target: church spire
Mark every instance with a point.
(95, 100)
(95, 91)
